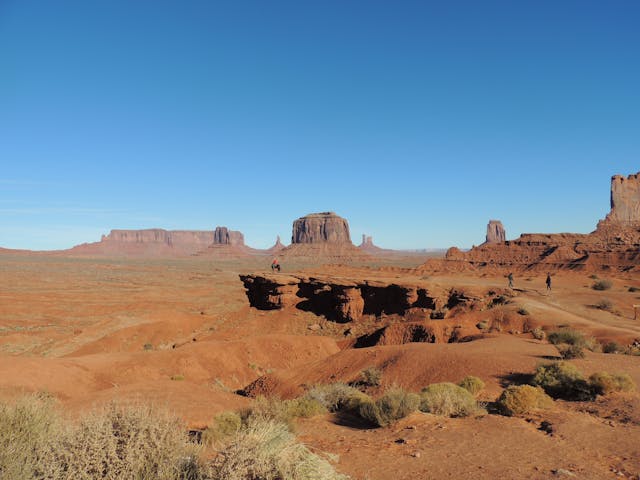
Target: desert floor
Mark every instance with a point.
(180, 333)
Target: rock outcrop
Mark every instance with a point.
(495, 232)
(614, 245)
(276, 247)
(326, 227)
(224, 236)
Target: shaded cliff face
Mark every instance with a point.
(224, 236)
(324, 227)
(495, 232)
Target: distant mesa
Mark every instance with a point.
(369, 247)
(614, 245)
(495, 232)
(322, 236)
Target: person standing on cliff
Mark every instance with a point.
(510, 277)
(548, 282)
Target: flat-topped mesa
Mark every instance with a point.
(495, 232)
(625, 201)
(224, 236)
(325, 227)
(157, 235)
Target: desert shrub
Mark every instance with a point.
(393, 405)
(437, 315)
(523, 311)
(129, 443)
(634, 289)
(304, 407)
(472, 384)
(573, 337)
(268, 450)
(29, 430)
(569, 352)
(371, 376)
(499, 300)
(336, 396)
(605, 304)
(447, 399)
(483, 325)
(522, 399)
(562, 380)
(602, 285)
(177, 378)
(281, 411)
(612, 347)
(148, 346)
(538, 333)
(224, 425)
(604, 383)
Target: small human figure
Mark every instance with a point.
(510, 277)
(548, 282)
(275, 265)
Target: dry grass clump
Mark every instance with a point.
(224, 425)
(602, 285)
(570, 343)
(562, 380)
(336, 396)
(522, 399)
(393, 405)
(371, 377)
(473, 385)
(266, 449)
(538, 333)
(604, 304)
(569, 352)
(447, 399)
(604, 383)
(134, 443)
(612, 347)
(282, 411)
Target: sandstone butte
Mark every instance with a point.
(322, 235)
(615, 244)
(495, 232)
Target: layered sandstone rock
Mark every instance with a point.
(224, 236)
(326, 227)
(276, 247)
(495, 232)
(625, 200)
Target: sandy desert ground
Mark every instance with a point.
(180, 333)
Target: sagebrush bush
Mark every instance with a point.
(573, 337)
(538, 333)
(569, 352)
(473, 385)
(562, 380)
(29, 431)
(522, 399)
(612, 347)
(602, 285)
(268, 450)
(224, 425)
(371, 376)
(605, 304)
(282, 411)
(604, 383)
(336, 396)
(393, 405)
(447, 399)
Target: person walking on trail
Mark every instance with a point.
(548, 282)
(510, 277)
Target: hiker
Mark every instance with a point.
(510, 277)
(275, 265)
(548, 282)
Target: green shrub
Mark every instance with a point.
(447, 399)
(604, 383)
(472, 384)
(538, 333)
(268, 450)
(522, 399)
(336, 396)
(602, 285)
(393, 405)
(569, 352)
(562, 380)
(224, 425)
(573, 337)
(371, 376)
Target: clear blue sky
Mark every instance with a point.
(417, 121)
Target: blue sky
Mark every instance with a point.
(417, 121)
